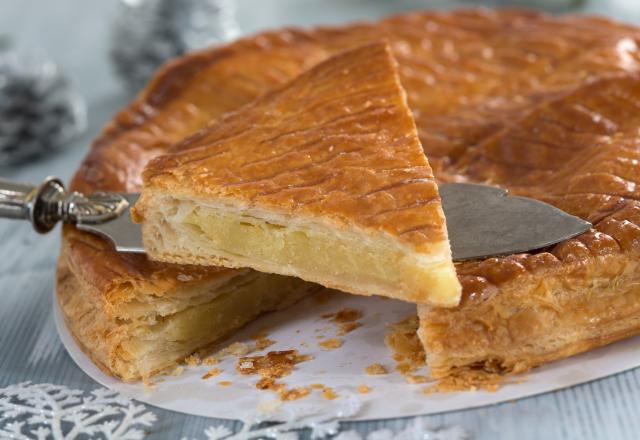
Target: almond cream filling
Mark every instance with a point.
(335, 257)
(151, 348)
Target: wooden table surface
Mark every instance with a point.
(74, 33)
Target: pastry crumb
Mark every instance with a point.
(235, 349)
(348, 315)
(211, 373)
(376, 370)
(402, 339)
(363, 389)
(284, 394)
(263, 343)
(193, 360)
(274, 364)
(293, 394)
(268, 383)
(467, 379)
(211, 360)
(416, 378)
(224, 383)
(260, 335)
(405, 368)
(330, 344)
(317, 386)
(329, 394)
(346, 320)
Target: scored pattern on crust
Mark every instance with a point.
(467, 74)
(578, 152)
(337, 143)
(585, 289)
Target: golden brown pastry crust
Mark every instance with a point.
(468, 73)
(88, 326)
(536, 318)
(580, 153)
(95, 308)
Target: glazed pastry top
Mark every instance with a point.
(510, 98)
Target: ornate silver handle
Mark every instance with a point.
(48, 203)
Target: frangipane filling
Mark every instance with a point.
(175, 336)
(313, 252)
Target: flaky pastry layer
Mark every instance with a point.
(536, 319)
(155, 339)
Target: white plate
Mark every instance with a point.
(343, 368)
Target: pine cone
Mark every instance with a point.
(38, 111)
(148, 33)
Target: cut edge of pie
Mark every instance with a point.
(188, 231)
(136, 338)
(551, 316)
(520, 311)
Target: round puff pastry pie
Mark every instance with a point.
(472, 78)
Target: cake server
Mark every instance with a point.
(483, 221)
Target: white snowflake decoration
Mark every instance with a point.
(45, 411)
(216, 432)
(291, 417)
(298, 415)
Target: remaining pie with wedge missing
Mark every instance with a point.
(581, 152)
(323, 179)
(472, 79)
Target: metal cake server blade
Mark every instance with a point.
(483, 221)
